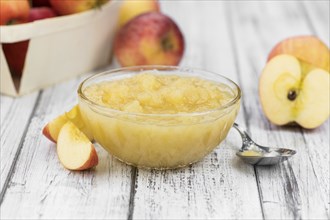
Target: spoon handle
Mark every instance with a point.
(246, 140)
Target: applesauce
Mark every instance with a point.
(159, 117)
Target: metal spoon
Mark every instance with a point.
(256, 154)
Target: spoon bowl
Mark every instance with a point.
(256, 154)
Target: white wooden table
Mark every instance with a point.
(231, 38)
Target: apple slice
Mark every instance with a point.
(289, 94)
(74, 149)
(74, 116)
(52, 129)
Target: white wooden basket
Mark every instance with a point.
(60, 48)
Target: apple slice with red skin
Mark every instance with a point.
(52, 129)
(75, 151)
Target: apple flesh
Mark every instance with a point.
(150, 38)
(66, 7)
(132, 8)
(14, 12)
(74, 149)
(52, 129)
(308, 49)
(291, 92)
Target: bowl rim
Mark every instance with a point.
(158, 67)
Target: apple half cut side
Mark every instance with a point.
(75, 151)
(52, 129)
(291, 93)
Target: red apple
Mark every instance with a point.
(15, 53)
(41, 13)
(40, 3)
(150, 38)
(66, 7)
(14, 12)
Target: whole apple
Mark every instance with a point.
(150, 38)
(66, 7)
(294, 86)
(132, 8)
(15, 53)
(41, 13)
(14, 12)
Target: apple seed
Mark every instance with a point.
(292, 95)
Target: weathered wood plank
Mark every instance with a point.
(42, 188)
(318, 18)
(318, 15)
(293, 189)
(15, 116)
(218, 186)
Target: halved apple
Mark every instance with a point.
(74, 149)
(52, 129)
(308, 49)
(293, 91)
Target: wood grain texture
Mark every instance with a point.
(42, 188)
(218, 186)
(15, 116)
(300, 189)
(318, 18)
(232, 38)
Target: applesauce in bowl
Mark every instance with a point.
(159, 116)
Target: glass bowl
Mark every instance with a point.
(159, 141)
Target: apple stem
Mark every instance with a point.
(292, 95)
(11, 22)
(166, 43)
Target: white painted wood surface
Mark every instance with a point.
(231, 38)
